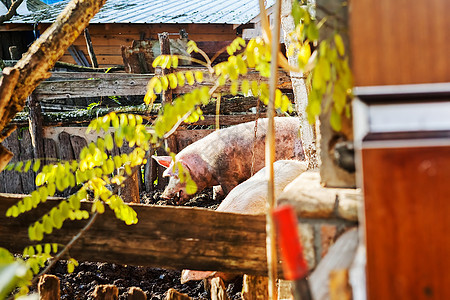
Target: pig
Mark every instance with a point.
(250, 197)
(224, 157)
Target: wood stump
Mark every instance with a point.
(48, 287)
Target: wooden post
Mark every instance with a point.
(35, 126)
(164, 44)
(129, 191)
(48, 287)
(255, 287)
(135, 293)
(218, 289)
(105, 292)
(272, 257)
(90, 48)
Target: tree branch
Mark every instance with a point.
(11, 12)
(45, 51)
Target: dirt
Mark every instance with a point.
(155, 282)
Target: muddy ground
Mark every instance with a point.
(154, 282)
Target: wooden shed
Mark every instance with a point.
(121, 22)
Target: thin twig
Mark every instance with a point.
(66, 248)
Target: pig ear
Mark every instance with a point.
(164, 161)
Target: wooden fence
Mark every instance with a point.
(65, 143)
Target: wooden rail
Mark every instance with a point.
(77, 85)
(166, 237)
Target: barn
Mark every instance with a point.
(120, 22)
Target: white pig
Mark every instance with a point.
(250, 197)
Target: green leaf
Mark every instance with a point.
(335, 120)
(198, 76)
(191, 186)
(37, 164)
(339, 44)
(47, 224)
(173, 82)
(47, 248)
(312, 32)
(190, 77)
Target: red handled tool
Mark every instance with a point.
(294, 264)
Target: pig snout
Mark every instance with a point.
(175, 191)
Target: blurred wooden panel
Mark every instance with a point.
(400, 42)
(406, 193)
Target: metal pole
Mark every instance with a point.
(272, 260)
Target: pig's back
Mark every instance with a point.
(227, 153)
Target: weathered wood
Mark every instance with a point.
(50, 151)
(45, 51)
(166, 237)
(48, 287)
(65, 147)
(127, 85)
(90, 48)
(12, 180)
(78, 143)
(218, 289)
(105, 292)
(255, 287)
(138, 57)
(35, 123)
(162, 181)
(129, 191)
(165, 50)
(135, 293)
(173, 294)
(26, 153)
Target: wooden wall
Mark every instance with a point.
(400, 42)
(108, 38)
(406, 204)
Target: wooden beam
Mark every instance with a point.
(90, 48)
(128, 84)
(165, 237)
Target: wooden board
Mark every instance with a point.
(406, 193)
(397, 42)
(97, 86)
(166, 237)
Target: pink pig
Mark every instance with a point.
(224, 157)
(250, 197)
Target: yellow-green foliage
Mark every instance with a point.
(96, 175)
(330, 77)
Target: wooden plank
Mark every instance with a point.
(12, 179)
(406, 189)
(394, 43)
(26, 153)
(50, 151)
(65, 147)
(166, 237)
(78, 143)
(127, 86)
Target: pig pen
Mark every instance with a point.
(63, 92)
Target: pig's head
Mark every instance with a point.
(175, 189)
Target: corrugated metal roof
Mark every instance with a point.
(160, 11)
